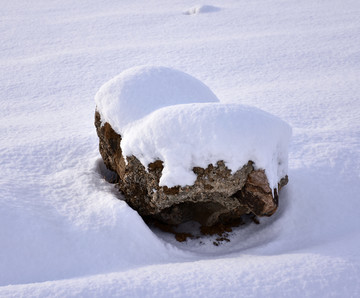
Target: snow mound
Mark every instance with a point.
(201, 9)
(189, 135)
(138, 91)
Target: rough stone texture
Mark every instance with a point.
(217, 196)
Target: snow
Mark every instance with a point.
(193, 135)
(201, 9)
(63, 231)
(140, 90)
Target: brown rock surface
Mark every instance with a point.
(217, 196)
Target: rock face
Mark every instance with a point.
(217, 196)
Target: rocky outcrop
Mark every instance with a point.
(217, 196)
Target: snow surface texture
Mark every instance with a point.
(64, 233)
(201, 9)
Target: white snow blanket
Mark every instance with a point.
(63, 231)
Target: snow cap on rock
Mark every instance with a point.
(138, 91)
(196, 135)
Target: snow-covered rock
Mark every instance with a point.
(190, 135)
(181, 155)
(216, 195)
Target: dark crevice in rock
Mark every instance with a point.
(107, 174)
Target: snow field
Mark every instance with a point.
(64, 232)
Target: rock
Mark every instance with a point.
(217, 196)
